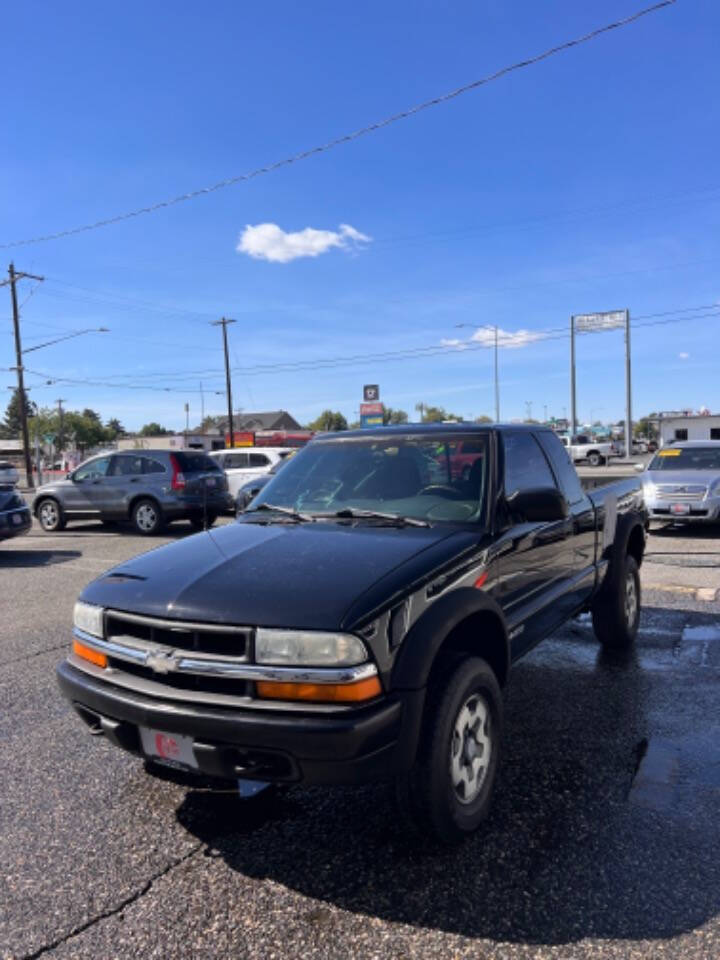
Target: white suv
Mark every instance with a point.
(241, 465)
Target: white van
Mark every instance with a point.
(246, 463)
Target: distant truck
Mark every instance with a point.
(360, 619)
(584, 447)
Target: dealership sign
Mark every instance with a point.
(592, 322)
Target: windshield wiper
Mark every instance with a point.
(350, 514)
(285, 511)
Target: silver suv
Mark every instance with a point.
(149, 487)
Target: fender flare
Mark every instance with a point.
(424, 639)
(626, 525)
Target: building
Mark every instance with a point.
(273, 420)
(674, 427)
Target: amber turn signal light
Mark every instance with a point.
(322, 692)
(87, 653)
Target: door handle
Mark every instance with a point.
(135, 480)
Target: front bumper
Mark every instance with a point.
(10, 527)
(369, 743)
(700, 511)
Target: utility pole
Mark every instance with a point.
(573, 410)
(202, 407)
(223, 322)
(12, 280)
(528, 409)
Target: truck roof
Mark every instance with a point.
(399, 429)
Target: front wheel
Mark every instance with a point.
(147, 517)
(50, 515)
(594, 459)
(448, 790)
(616, 610)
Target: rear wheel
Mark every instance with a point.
(448, 790)
(594, 459)
(147, 517)
(616, 610)
(50, 515)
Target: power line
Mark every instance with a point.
(462, 347)
(349, 137)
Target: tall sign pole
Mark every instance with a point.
(573, 411)
(628, 389)
(497, 381)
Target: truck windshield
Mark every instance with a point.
(437, 479)
(686, 458)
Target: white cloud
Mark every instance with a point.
(506, 339)
(684, 356)
(268, 241)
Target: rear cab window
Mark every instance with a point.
(525, 463)
(560, 461)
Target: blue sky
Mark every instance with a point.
(587, 182)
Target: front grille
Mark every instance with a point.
(681, 491)
(179, 635)
(189, 682)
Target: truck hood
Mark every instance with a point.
(278, 575)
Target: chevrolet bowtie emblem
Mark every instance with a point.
(161, 662)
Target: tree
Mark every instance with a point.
(85, 431)
(483, 419)
(394, 416)
(114, 429)
(12, 426)
(647, 427)
(91, 415)
(153, 429)
(435, 414)
(329, 420)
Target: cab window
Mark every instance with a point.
(564, 470)
(525, 463)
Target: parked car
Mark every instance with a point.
(15, 516)
(682, 483)
(9, 475)
(584, 447)
(359, 621)
(251, 489)
(148, 488)
(247, 464)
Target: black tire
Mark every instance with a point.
(464, 702)
(50, 515)
(147, 517)
(594, 459)
(198, 523)
(616, 610)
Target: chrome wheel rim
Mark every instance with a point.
(631, 599)
(471, 748)
(48, 515)
(146, 517)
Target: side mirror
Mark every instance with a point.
(640, 467)
(539, 504)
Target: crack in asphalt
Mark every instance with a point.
(128, 901)
(31, 656)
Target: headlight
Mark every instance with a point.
(649, 490)
(298, 648)
(714, 490)
(88, 618)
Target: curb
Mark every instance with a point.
(704, 594)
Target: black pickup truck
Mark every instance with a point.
(359, 621)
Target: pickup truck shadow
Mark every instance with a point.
(36, 558)
(564, 855)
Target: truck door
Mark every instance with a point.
(536, 562)
(582, 515)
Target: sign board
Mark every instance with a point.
(371, 409)
(240, 439)
(592, 322)
(371, 392)
(372, 420)
(49, 438)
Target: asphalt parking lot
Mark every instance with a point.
(604, 839)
